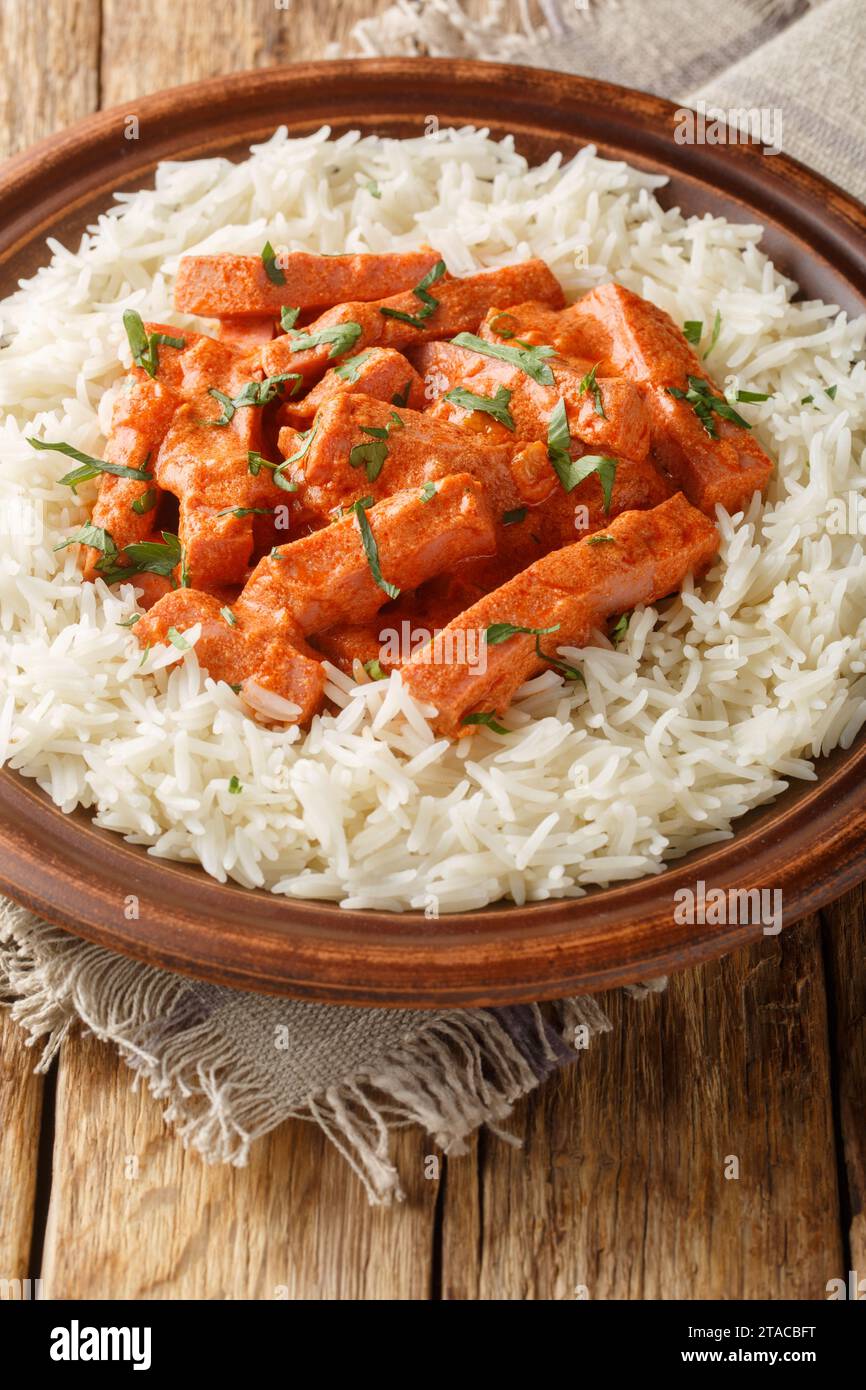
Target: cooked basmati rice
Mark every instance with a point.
(709, 705)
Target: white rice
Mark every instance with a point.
(705, 710)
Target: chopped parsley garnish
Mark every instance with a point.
(90, 467)
(497, 405)
(401, 398)
(374, 670)
(246, 511)
(235, 785)
(142, 557)
(94, 536)
(529, 358)
(747, 396)
(341, 336)
(373, 455)
(500, 632)
(373, 189)
(307, 436)
(487, 718)
(599, 540)
(590, 384)
(620, 628)
(255, 463)
(427, 492)
(371, 550)
(349, 369)
(807, 400)
(270, 263)
(503, 332)
(146, 502)
(717, 326)
(229, 616)
(511, 518)
(288, 317)
(831, 391)
(700, 397)
(177, 640)
(573, 471)
(429, 305)
(130, 622)
(255, 393)
(144, 346)
(570, 673)
(693, 331)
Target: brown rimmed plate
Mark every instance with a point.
(809, 843)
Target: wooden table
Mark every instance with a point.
(620, 1187)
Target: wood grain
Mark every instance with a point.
(50, 54)
(20, 1113)
(844, 945)
(152, 1220)
(621, 1188)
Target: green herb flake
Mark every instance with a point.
(94, 536)
(488, 719)
(807, 400)
(130, 622)
(569, 673)
(427, 492)
(503, 332)
(373, 189)
(496, 406)
(600, 540)
(229, 616)
(272, 268)
(144, 346)
(374, 670)
(513, 517)
(500, 632)
(235, 785)
(142, 557)
(146, 502)
(349, 369)
(693, 331)
(90, 467)
(748, 396)
(401, 398)
(429, 305)
(831, 392)
(341, 336)
(590, 384)
(620, 628)
(573, 471)
(700, 397)
(529, 358)
(241, 512)
(288, 317)
(371, 550)
(717, 328)
(177, 640)
(255, 464)
(255, 393)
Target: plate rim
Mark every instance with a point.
(301, 949)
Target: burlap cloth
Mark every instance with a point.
(231, 1066)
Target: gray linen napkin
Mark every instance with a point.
(231, 1066)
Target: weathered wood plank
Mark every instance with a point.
(50, 53)
(621, 1185)
(134, 1215)
(207, 41)
(845, 947)
(20, 1113)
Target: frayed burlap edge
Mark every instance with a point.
(462, 1070)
